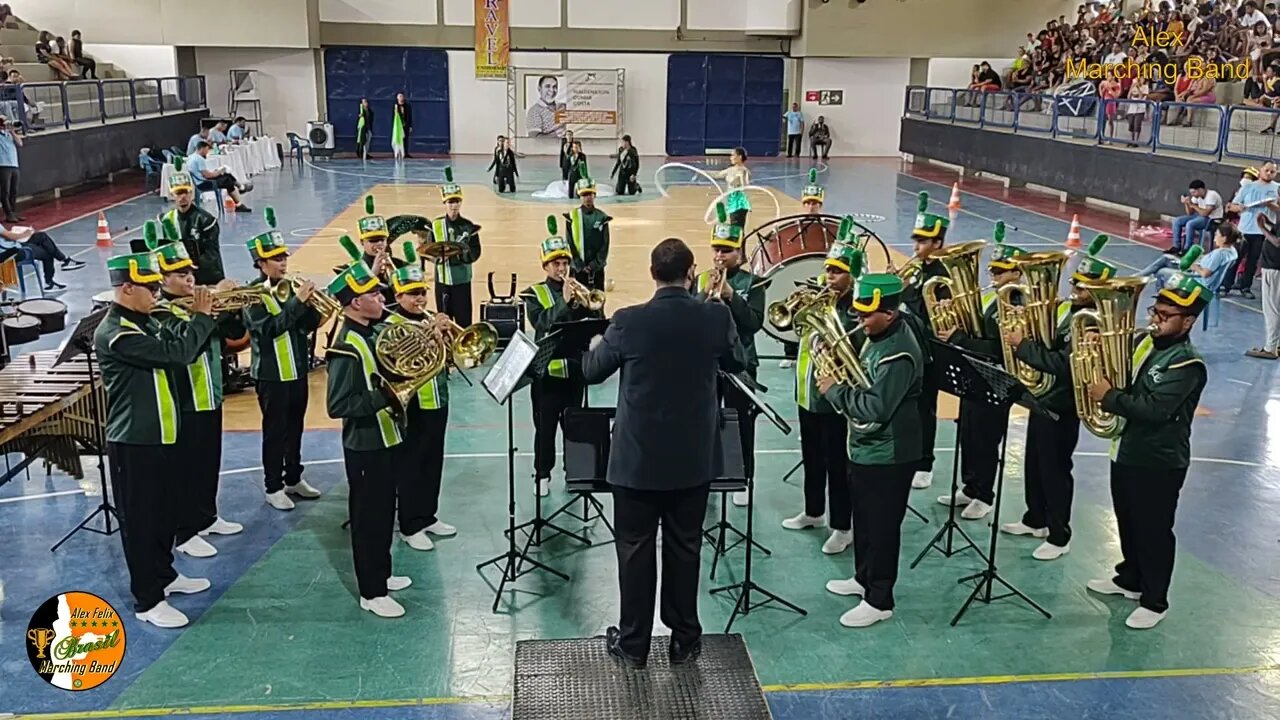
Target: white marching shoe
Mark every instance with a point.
(398, 582)
(419, 541)
(303, 490)
(442, 529)
(975, 510)
(802, 522)
(740, 498)
(1144, 619)
(183, 585)
(1018, 528)
(163, 615)
(223, 527)
(382, 607)
(838, 542)
(197, 547)
(957, 500)
(544, 487)
(1049, 551)
(922, 479)
(864, 616)
(1108, 586)
(846, 587)
(279, 500)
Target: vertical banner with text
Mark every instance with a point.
(493, 39)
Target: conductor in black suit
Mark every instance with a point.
(665, 446)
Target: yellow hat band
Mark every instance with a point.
(870, 307)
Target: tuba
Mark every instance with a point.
(416, 352)
(782, 314)
(963, 310)
(1037, 315)
(832, 346)
(320, 301)
(224, 301)
(1102, 344)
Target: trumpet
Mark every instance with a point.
(320, 301)
(579, 295)
(229, 300)
(716, 278)
(782, 314)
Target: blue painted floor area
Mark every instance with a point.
(1227, 519)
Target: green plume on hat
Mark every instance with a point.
(350, 246)
(813, 175)
(177, 163)
(448, 173)
(922, 202)
(855, 263)
(368, 204)
(999, 232)
(846, 228)
(149, 235)
(270, 215)
(1096, 246)
(721, 215)
(552, 228)
(410, 253)
(1190, 258)
(170, 229)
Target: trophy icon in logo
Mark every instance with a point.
(40, 637)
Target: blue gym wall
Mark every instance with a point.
(351, 73)
(724, 101)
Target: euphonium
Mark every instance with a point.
(832, 350)
(963, 310)
(230, 300)
(320, 301)
(1102, 343)
(909, 273)
(782, 314)
(1036, 317)
(415, 352)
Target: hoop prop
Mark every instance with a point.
(657, 177)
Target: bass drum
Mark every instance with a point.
(786, 238)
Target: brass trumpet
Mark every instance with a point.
(320, 301)
(578, 295)
(229, 300)
(716, 278)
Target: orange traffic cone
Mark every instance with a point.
(954, 203)
(104, 232)
(1073, 235)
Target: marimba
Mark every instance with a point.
(47, 413)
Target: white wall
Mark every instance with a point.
(286, 82)
(524, 13)
(473, 129)
(954, 72)
(252, 23)
(656, 14)
(868, 121)
(137, 61)
(378, 11)
(644, 103)
(780, 16)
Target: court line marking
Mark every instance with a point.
(792, 688)
(22, 498)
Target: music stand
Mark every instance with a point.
(515, 369)
(742, 604)
(715, 534)
(1004, 391)
(80, 341)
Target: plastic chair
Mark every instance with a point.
(148, 167)
(296, 144)
(24, 260)
(207, 186)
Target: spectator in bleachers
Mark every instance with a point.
(1136, 112)
(1109, 90)
(1202, 207)
(195, 140)
(207, 177)
(88, 66)
(1213, 267)
(1250, 15)
(45, 54)
(1252, 201)
(6, 14)
(238, 132)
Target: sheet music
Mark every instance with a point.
(505, 375)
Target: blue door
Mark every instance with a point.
(351, 73)
(723, 101)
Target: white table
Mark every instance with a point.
(243, 160)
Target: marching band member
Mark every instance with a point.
(982, 426)
(547, 303)
(418, 486)
(823, 431)
(883, 455)
(1049, 485)
(1151, 455)
(739, 289)
(929, 235)
(370, 437)
(453, 275)
(375, 240)
(199, 387)
(812, 198)
(197, 227)
(588, 236)
(137, 360)
(279, 337)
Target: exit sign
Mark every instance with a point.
(824, 97)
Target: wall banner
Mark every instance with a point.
(493, 39)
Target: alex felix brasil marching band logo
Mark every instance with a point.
(75, 641)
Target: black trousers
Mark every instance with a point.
(362, 142)
(200, 445)
(9, 191)
(371, 505)
(506, 180)
(823, 438)
(455, 301)
(46, 252)
(627, 185)
(879, 494)
(1248, 257)
(1049, 483)
(928, 405)
(284, 411)
(815, 144)
(88, 67)
(793, 145)
(636, 517)
(550, 398)
(791, 350)
(595, 281)
(145, 495)
(982, 427)
(1146, 501)
(734, 398)
(420, 469)
(573, 178)
(222, 182)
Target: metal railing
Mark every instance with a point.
(1239, 131)
(40, 106)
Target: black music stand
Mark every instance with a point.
(574, 341)
(516, 367)
(80, 341)
(716, 534)
(1002, 390)
(742, 604)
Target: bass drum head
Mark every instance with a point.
(783, 279)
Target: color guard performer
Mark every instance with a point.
(732, 284)
(199, 387)
(370, 437)
(1049, 484)
(375, 240)
(982, 426)
(823, 431)
(418, 483)
(813, 197)
(554, 300)
(279, 335)
(453, 275)
(137, 360)
(1151, 455)
(588, 237)
(929, 235)
(197, 227)
(884, 445)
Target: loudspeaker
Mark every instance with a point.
(320, 135)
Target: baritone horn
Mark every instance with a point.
(782, 313)
(963, 309)
(1102, 344)
(832, 347)
(1037, 315)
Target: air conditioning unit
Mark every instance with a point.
(320, 135)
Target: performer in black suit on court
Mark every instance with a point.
(662, 460)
